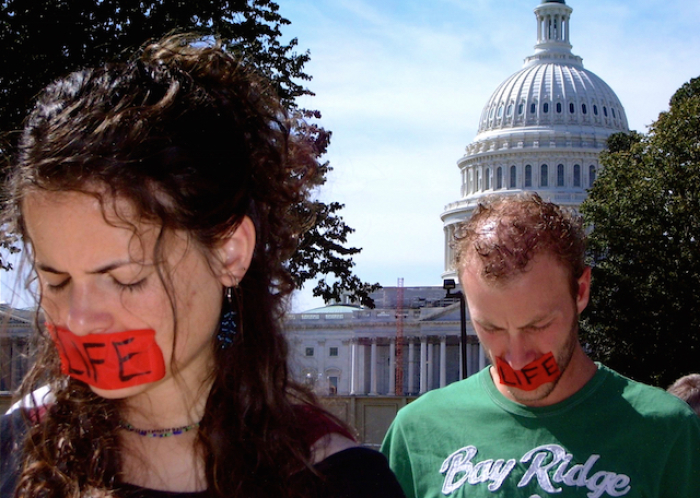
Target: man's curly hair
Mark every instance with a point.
(507, 231)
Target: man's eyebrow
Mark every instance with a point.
(487, 324)
(490, 326)
(104, 269)
(538, 320)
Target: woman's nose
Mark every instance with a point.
(87, 312)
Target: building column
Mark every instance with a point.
(468, 351)
(431, 370)
(361, 368)
(423, 365)
(392, 367)
(482, 357)
(373, 367)
(353, 366)
(411, 366)
(322, 381)
(443, 361)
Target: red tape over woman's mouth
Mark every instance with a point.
(112, 360)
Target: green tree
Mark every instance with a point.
(644, 208)
(46, 39)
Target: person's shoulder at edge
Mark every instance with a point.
(357, 472)
(339, 458)
(13, 428)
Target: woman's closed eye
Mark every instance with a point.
(130, 286)
(57, 286)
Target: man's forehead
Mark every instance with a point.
(475, 266)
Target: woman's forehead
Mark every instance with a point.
(115, 210)
(53, 216)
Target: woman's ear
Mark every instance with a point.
(235, 253)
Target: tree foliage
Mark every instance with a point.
(44, 40)
(322, 251)
(644, 208)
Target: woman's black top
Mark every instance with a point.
(356, 472)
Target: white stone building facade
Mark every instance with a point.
(346, 350)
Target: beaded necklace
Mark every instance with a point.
(175, 431)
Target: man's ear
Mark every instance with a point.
(584, 290)
(235, 253)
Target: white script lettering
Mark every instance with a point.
(549, 464)
(599, 483)
(459, 463)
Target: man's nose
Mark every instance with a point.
(520, 352)
(87, 311)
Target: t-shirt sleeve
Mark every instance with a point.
(358, 473)
(396, 451)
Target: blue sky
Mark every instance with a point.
(401, 85)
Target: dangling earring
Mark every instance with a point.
(227, 326)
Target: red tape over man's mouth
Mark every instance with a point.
(112, 360)
(531, 376)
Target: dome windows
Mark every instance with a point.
(533, 107)
(613, 112)
(584, 109)
(500, 111)
(558, 107)
(528, 176)
(482, 178)
(545, 107)
(605, 111)
(595, 109)
(560, 175)
(572, 108)
(544, 175)
(509, 110)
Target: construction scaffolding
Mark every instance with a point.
(399, 337)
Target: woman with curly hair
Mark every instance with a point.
(158, 200)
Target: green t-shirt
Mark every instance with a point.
(615, 437)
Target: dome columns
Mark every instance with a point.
(553, 26)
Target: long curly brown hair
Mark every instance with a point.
(195, 140)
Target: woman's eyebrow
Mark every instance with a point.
(48, 269)
(104, 269)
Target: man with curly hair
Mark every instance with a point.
(542, 419)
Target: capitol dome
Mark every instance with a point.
(542, 129)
